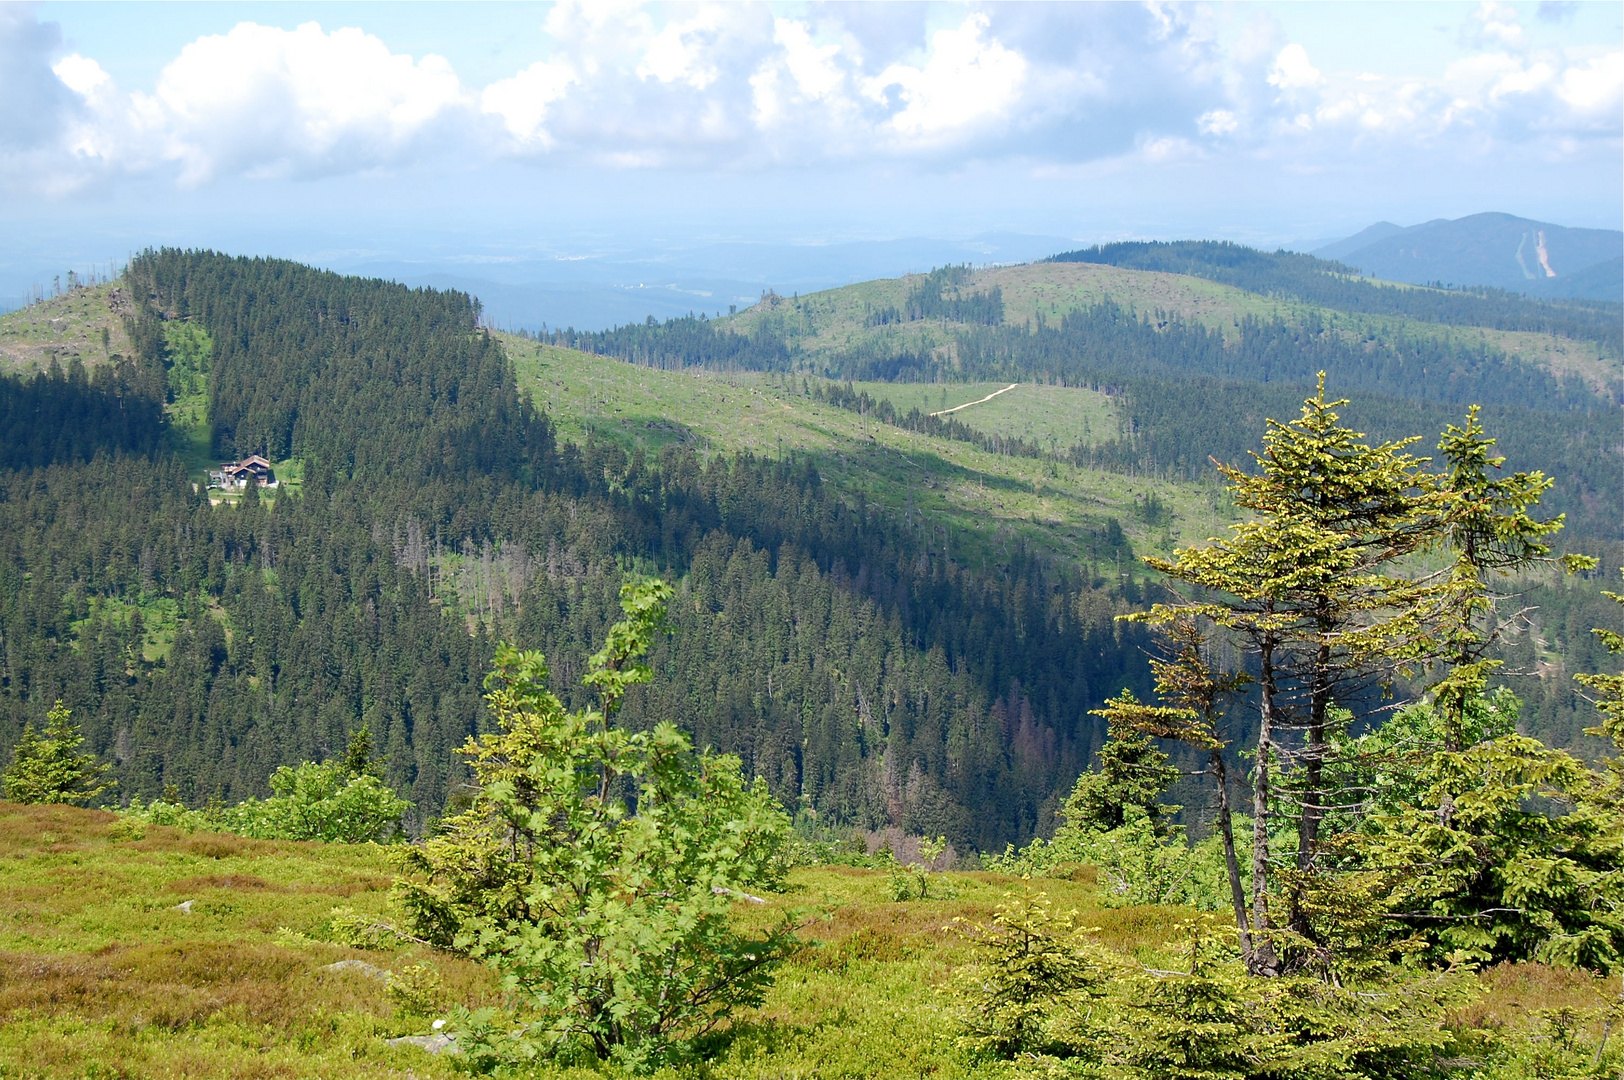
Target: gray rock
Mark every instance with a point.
(358, 967)
(433, 1044)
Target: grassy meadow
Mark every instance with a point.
(984, 498)
(64, 327)
(103, 975)
(1053, 417)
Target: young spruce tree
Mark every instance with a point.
(48, 767)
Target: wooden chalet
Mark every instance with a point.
(239, 474)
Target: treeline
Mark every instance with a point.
(1294, 276)
(203, 646)
(929, 299)
(74, 415)
(676, 343)
(1110, 338)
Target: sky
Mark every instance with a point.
(603, 145)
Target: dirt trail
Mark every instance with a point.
(967, 404)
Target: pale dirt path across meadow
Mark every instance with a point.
(979, 401)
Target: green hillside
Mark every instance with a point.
(984, 497)
(837, 319)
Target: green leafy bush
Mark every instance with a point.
(340, 801)
(597, 868)
(321, 801)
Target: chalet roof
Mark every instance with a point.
(253, 464)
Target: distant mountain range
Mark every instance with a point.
(593, 290)
(1498, 250)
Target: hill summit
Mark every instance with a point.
(1498, 250)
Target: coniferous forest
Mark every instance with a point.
(873, 674)
(836, 647)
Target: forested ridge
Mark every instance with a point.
(840, 648)
(1290, 275)
(849, 652)
(1190, 393)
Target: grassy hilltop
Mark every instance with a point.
(827, 322)
(86, 324)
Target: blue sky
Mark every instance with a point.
(490, 135)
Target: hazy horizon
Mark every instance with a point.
(710, 151)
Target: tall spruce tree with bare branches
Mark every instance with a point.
(1311, 586)
(1195, 691)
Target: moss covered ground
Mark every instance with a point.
(102, 974)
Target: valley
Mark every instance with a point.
(875, 549)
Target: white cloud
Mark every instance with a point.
(268, 101)
(1497, 25)
(83, 76)
(816, 72)
(1293, 70)
(801, 83)
(1217, 122)
(522, 101)
(1166, 148)
(683, 50)
(1596, 87)
(965, 81)
(740, 86)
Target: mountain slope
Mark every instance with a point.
(1497, 250)
(887, 627)
(985, 499)
(1369, 235)
(1120, 319)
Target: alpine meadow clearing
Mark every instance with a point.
(103, 975)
